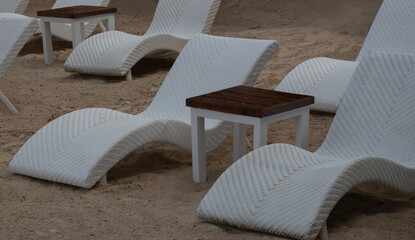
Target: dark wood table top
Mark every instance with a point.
(76, 11)
(250, 101)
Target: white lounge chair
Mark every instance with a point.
(285, 190)
(13, 6)
(64, 30)
(114, 53)
(393, 30)
(15, 31)
(80, 147)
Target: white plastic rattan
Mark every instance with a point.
(15, 31)
(285, 190)
(114, 53)
(13, 6)
(80, 147)
(393, 30)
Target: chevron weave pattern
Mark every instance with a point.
(64, 30)
(285, 190)
(80, 147)
(13, 6)
(15, 31)
(393, 30)
(114, 53)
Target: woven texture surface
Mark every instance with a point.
(393, 30)
(80, 147)
(114, 53)
(285, 190)
(13, 6)
(15, 31)
(64, 30)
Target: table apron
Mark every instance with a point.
(286, 115)
(73, 20)
(248, 119)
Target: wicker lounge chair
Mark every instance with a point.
(13, 6)
(80, 147)
(285, 190)
(15, 31)
(393, 30)
(114, 53)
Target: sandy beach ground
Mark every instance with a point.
(150, 193)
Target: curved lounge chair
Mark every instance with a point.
(114, 53)
(393, 30)
(285, 190)
(13, 6)
(64, 30)
(15, 31)
(80, 147)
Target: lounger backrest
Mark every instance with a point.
(69, 3)
(377, 114)
(15, 30)
(13, 6)
(184, 17)
(210, 63)
(393, 29)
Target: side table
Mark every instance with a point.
(245, 105)
(76, 16)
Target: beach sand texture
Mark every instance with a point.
(150, 193)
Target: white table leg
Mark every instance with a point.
(198, 148)
(110, 23)
(78, 33)
(102, 26)
(82, 25)
(239, 141)
(129, 75)
(47, 41)
(260, 134)
(7, 103)
(301, 130)
(103, 179)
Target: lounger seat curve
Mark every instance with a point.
(15, 31)
(287, 191)
(13, 6)
(114, 53)
(64, 30)
(393, 30)
(80, 147)
(118, 52)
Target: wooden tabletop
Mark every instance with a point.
(76, 11)
(249, 101)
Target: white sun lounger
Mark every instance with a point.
(13, 6)
(80, 147)
(393, 30)
(285, 190)
(15, 31)
(64, 30)
(114, 53)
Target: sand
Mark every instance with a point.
(150, 193)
